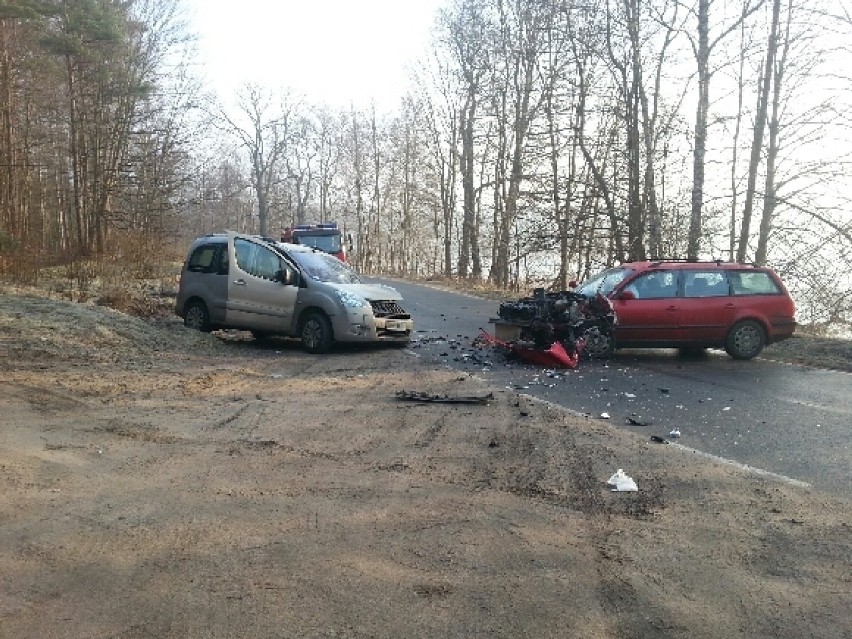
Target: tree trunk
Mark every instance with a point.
(468, 189)
(700, 149)
(770, 188)
(759, 128)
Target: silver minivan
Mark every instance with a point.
(270, 288)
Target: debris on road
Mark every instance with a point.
(638, 421)
(555, 355)
(415, 396)
(674, 434)
(622, 483)
(659, 440)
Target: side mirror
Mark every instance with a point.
(286, 276)
(627, 295)
(573, 284)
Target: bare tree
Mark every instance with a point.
(263, 134)
(440, 116)
(522, 36)
(763, 96)
(465, 30)
(703, 47)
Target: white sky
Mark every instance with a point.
(337, 52)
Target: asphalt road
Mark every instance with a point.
(787, 420)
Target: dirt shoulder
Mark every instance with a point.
(159, 482)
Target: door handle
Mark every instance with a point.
(672, 308)
(240, 282)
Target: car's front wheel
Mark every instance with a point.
(600, 342)
(745, 340)
(316, 333)
(197, 316)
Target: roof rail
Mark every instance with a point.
(657, 261)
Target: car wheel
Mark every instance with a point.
(745, 340)
(316, 333)
(600, 344)
(197, 316)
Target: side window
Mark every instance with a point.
(753, 283)
(204, 259)
(656, 284)
(705, 284)
(256, 260)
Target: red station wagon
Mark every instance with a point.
(738, 307)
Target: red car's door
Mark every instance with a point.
(647, 309)
(707, 307)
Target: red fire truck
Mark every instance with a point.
(325, 237)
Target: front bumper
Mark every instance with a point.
(365, 327)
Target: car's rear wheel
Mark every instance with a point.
(197, 316)
(600, 342)
(745, 340)
(316, 333)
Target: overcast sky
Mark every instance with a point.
(333, 51)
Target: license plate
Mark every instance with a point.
(394, 325)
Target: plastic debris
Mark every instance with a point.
(638, 421)
(622, 483)
(674, 434)
(604, 415)
(444, 399)
(554, 356)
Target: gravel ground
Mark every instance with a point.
(157, 482)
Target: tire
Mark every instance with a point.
(197, 317)
(316, 333)
(745, 340)
(600, 344)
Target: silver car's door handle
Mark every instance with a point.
(240, 282)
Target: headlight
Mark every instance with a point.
(350, 299)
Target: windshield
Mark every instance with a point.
(326, 268)
(604, 282)
(327, 243)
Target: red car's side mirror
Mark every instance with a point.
(627, 295)
(573, 284)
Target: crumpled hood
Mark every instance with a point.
(371, 292)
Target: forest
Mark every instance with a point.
(543, 140)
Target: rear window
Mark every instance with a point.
(753, 283)
(208, 258)
(709, 283)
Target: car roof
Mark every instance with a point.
(687, 265)
(223, 238)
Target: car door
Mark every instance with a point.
(707, 307)
(647, 309)
(257, 297)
